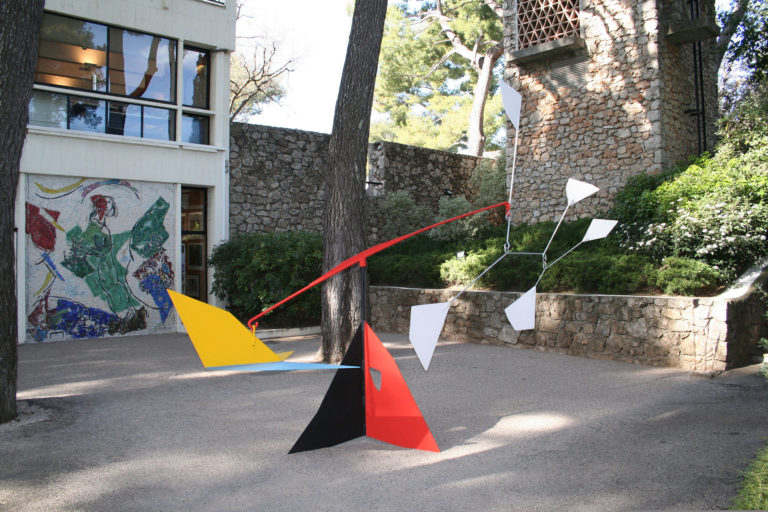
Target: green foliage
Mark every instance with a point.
(599, 271)
(749, 46)
(254, 271)
(764, 366)
(512, 273)
(715, 210)
(684, 276)
(463, 229)
(443, 125)
(422, 270)
(399, 214)
(596, 267)
(424, 87)
(744, 123)
(753, 494)
(489, 182)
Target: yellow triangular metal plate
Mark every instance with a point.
(219, 338)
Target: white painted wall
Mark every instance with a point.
(199, 22)
(58, 152)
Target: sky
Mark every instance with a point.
(315, 34)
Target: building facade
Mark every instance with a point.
(124, 182)
(611, 89)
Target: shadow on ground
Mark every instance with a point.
(136, 424)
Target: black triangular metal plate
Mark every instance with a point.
(341, 416)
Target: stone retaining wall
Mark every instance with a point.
(698, 334)
(276, 177)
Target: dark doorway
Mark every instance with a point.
(194, 242)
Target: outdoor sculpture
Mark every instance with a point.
(427, 320)
(354, 404)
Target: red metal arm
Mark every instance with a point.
(360, 258)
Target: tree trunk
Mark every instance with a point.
(484, 75)
(19, 29)
(343, 218)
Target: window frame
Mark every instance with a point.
(108, 101)
(106, 91)
(176, 107)
(208, 60)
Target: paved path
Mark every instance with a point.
(135, 424)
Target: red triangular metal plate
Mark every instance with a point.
(391, 413)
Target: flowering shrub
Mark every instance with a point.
(714, 211)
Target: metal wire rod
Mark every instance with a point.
(477, 278)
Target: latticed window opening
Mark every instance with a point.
(540, 21)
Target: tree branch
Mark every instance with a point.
(496, 7)
(260, 84)
(439, 63)
(453, 37)
(733, 20)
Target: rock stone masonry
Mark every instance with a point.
(624, 116)
(276, 178)
(698, 334)
(677, 86)
(426, 174)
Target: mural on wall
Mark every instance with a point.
(99, 260)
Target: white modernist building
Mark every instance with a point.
(124, 182)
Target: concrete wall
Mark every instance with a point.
(698, 334)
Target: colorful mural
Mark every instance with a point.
(99, 260)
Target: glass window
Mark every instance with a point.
(194, 129)
(124, 119)
(87, 114)
(93, 115)
(196, 64)
(142, 65)
(48, 109)
(159, 123)
(72, 53)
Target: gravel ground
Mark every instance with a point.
(136, 424)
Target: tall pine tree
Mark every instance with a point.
(19, 29)
(438, 73)
(344, 219)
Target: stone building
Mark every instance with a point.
(611, 89)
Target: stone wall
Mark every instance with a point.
(678, 96)
(276, 177)
(426, 174)
(698, 334)
(609, 106)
